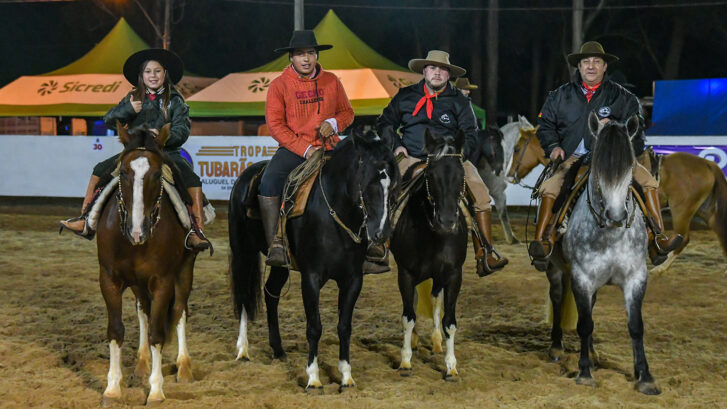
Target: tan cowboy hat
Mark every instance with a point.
(438, 58)
(590, 49)
(464, 83)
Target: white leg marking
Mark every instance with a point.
(156, 380)
(182, 336)
(312, 371)
(385, 182)
(449, 358)
(140, 166)
(242, 343)
(345, 369)
(406, 348)
(113, 388)
(143, 331)
(436, 317)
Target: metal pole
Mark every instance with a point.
(298, 15)
(167, 39)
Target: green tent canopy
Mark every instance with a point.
(370, 79)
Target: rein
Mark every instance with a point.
(356, 237)
(155, 213)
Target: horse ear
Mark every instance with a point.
(632, 126)
(459, 140)
(161, 139)
(594, 124)
(123, 133)
(387, 136)
(430, 142)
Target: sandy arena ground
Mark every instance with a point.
(53, 351)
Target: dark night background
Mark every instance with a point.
(216, 37)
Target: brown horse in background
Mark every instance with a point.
(688, 186)
(141, 245)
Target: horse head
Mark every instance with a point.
(527, 154)
(490, 141)
(612, 166)
(376, 178)
(444, 179)
(140, 181)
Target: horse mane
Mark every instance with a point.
(613, 155)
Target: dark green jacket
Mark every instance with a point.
(151, 114)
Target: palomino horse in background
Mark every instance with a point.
(348, 206)
(605, 243)
(430, 241)
(689, 185)
(141, 245)
(494, 173)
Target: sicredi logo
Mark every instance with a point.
(49, 87)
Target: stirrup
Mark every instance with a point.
(204, 245)
(375, 257)
(86, 233)
(540, 259)
(664, 251)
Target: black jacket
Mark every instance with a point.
(152, 115)
(452, 111)
(563, 120)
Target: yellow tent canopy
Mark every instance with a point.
(89, 86)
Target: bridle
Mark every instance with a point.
(154, 214)
(599, 215)
(520, 158)
(430, 199)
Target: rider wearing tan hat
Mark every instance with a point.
(434, 104)
(463, 84)
(564, 135)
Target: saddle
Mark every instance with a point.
(179, 198)
(574, 185)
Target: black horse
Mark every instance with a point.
(348, 206)
(430, 241)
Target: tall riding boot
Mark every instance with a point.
(78, 224)
(270, 213)
(660, 245)
(487, 260)
(195, 241)
(540, 249)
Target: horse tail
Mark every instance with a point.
(718, 218)
(424, 299)
(568, 309)
(245, 266)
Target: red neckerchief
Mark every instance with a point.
(589, 91)
(427, 98)
(152, 97)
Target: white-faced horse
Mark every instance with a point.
(605, 243)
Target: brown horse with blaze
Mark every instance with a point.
(141, 245)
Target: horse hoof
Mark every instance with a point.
(185, 375)
(154, 402)
(405, 372)
(648, 388)
(555, 354)
(108, 401)
(452, 377)
(586, 381)
(314, 390)
(243, 356)
(280, 355)
(344, 388)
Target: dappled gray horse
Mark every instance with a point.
(605, 243)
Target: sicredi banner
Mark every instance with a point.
(65, 89)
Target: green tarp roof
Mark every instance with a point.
(109, 55)
(349, 52)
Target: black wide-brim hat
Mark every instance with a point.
(590, 49)
(303, 39)
(170, 61)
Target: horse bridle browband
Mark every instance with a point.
(426, 180)
(155, 213)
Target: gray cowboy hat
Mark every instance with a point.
(170, 61)
(303, 39)
(464, 83)
(438, 58)
(590, 49)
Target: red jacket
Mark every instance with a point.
(296, 106)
